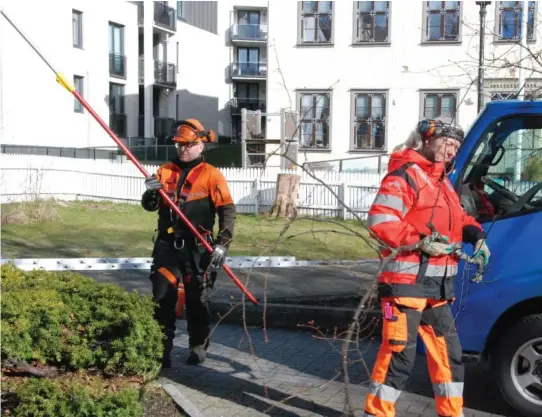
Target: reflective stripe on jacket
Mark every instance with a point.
(412, 195)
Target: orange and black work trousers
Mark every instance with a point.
(169, 265)
(403, 319)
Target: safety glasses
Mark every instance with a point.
(185, 145)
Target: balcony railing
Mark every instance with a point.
(239, 103)
(164, 16)
(249, 32)
(117, 123)
(163, 126)
(165, 73)
(117, 65)
(249, 69)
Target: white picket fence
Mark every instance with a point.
(25, 177)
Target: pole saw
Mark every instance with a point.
(64, 83)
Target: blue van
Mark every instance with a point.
(498, 175)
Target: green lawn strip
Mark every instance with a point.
(92, 229)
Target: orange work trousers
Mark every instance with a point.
(403, 319)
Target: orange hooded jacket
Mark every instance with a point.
(415, 193)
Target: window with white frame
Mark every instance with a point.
(368, 121)
(316, 22)
(442, 21)
(439, 104)
(314, 116)
(77, 28)
(78, 84)
(509, 15)
(372, 21)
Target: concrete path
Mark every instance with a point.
(298, 374)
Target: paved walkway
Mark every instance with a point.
(297, 374)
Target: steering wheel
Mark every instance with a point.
(499, 189)
(526, 198)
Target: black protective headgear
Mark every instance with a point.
(429, 128)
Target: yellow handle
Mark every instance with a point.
(64, 83)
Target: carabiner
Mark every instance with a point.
(175, 244)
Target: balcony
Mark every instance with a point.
(163, 126)
(248, 32)
(164, 16)
(238, 103)
(117, 65)
(249, 70)
(165, 73)
(117, 123)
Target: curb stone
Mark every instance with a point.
(177, 396)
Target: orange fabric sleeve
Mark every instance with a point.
(386, 219)
(219, 189)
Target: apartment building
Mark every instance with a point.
(87, 43)
(360, 74)
(140, 65)
(248, 39)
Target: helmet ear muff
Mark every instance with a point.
(426, 128)
(211, 136)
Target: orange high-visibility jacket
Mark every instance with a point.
(412, 194)
(201, 191)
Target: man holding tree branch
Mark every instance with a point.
(418, 219)
(179, 259)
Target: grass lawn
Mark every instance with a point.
(94, 229)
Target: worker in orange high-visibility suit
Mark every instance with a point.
(416, 200)
(179, 259)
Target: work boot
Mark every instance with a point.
(168, 347)
(196, 356)
(166, 360)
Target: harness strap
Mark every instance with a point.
(182, 195)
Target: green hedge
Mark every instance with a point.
(73, 323)
(68, 320)
(75, 398)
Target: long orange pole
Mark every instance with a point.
(62, 81)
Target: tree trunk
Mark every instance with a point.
(286, 193)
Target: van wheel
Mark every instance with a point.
(517, 363)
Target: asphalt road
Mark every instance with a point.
(302, 284)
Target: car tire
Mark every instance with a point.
(507, 356)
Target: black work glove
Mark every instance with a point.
(152, 184)
(218, 256)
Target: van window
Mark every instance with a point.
(504, 175)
